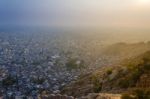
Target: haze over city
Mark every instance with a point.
(74, 49)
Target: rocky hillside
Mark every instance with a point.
(128, 75)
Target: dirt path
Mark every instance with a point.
(90, 96)
(102, 96)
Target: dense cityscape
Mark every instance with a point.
(31, 63)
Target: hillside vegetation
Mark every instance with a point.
(131, 77)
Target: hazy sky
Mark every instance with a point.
(76, 13)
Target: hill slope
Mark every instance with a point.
(129, 74)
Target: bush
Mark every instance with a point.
(109, 71)
(135, 75)
(123, 83)
(126, 96)
(142, 93)
(97, 84)
(131, 79)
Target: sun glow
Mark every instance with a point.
(143, 2)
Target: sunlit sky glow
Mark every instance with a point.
(76, 13)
